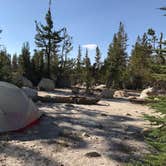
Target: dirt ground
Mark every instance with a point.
(107, 134)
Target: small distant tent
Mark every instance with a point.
(17, 111)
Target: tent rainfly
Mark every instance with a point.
(17, 111)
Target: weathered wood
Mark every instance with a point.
(70, 99)
(139, 101)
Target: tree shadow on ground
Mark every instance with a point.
(65, 124)
(27, 157)
(118, 100)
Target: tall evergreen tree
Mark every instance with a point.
(79, 67)
(14, 63)
(79, 56)
(87, 72)
(158, 64)
(64, 68)
(117, 59)
(140, 63)
(0, 38)
(48, 39)
(5, 66)
(98, 58)
(24, 61)
(97, 66)
(153, 38)
(37, 63)
(66, 47)
(161, 51)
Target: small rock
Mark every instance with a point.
(70, 105)
(92, 154)
(128, 114)
(85, 134)
(104, 114)
(94, 138)
(75, 90)
(107, 93)
(147, 92)
(145, 131)
(120, 94)
(100, 126)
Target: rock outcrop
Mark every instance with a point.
(46, 85)
(120, 94)
(22, 81)
(107, 93)
(147, 93)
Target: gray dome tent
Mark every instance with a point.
(16, 110)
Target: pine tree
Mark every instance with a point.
(5, 66)
(14, 63)
(117, 59)
(87, 72)
(140, 63)
(161, 51)
(78, 62)
(78, 67)
(97, 66)
(48, 40)
(64, 69)
(111, 63)
(0, 33)
(38, 70)
(24, 61)
(159, 63)
(98, 58)
(153, 38)
(66, 47)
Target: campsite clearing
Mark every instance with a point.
(110, 133)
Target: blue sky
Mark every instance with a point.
(88, 21)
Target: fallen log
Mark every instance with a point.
(138, 101)
(141, 101)
(70, 99)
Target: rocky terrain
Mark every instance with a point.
(107, 134)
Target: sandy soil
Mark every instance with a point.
(111, 130)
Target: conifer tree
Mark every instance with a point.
(161, 51)
(47, 39)
(140, 63)
(87, 72)
(98, 58)
(117, 59)
(0, 38)
(5, 66)
(66, 47)
(64, 68)
(37, 63)
(79, 67)
(14, 63)
(24, 61)
(153, 38)
(97, 66)
(158, 64)
(79, 56)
